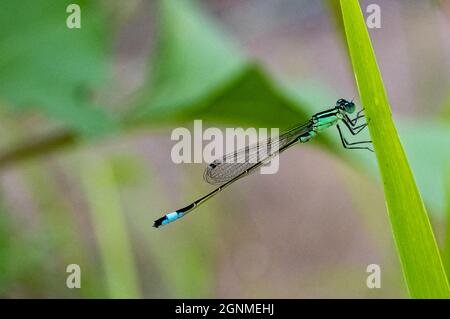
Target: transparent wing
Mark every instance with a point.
(235, 163)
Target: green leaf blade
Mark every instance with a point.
(114, 244)
(416, 245)
(190, 49)
(46, 66)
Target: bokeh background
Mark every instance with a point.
(85, 122)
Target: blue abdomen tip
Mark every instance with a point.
(167, 219)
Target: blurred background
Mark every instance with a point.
(85, 122)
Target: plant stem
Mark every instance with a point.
(38, 147)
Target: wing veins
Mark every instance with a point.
(235, 163)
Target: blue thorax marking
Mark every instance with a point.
(326, 119)
(321, 121)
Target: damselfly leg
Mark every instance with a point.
(349, 145)
(358, 116)
(351, 124)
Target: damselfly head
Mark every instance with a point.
(347, 106)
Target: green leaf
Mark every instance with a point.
(46, 66)
(198, 73)
(416, 245)
(190, 49)
(446, 247)
(110, 227)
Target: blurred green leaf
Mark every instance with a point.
(110, 228)
(18, 270)
(198, 73)
(429, 158)
(446, 108)
(48, 67)
(190, 49)
(61, 231)
(416, 245)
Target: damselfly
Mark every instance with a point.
(231, 167)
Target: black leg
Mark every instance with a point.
(353, 130)
(347, 145)
(351, 143)
(353, 122)
(358, 116)
(358, 129)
